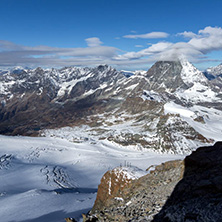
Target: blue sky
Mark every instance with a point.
(127, 34)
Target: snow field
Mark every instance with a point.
(48, 179)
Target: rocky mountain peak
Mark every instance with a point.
(102, 68)
(165, 74)
(174, 74)
(180, 80)
(104, 72)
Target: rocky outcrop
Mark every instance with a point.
(176, 191)
(166, 72)
(113, 184)
(198, 196)
(138, 199)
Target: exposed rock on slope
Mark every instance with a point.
(112, 184)
(138, 116)
(164, 75)
(197, 196)
(37, 99)
(138, 199)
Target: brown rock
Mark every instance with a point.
(122, 199)
(112, 185)
(70, 220)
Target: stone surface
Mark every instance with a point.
(178, 191)
(139, 199)
(198, 196)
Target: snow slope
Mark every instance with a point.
(48, 179)
(214, 72)
(211, 124)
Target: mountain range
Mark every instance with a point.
(173, 107)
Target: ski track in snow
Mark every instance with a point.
(49, 179)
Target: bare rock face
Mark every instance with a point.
(131, 199)
(112, 184)
(198, 196)
(166, 72)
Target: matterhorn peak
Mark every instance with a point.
(188, 73)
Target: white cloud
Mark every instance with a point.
(176, 50)
(154, 49)
(196, 48)
(216, 31)
(12, 54)
(7, 45)
(93, 42)
(188, 34)
(209, 39)
(151, 35)
(158, 47)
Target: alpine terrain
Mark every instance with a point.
(65, 129)
(173, 107)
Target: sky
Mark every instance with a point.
(126, 34)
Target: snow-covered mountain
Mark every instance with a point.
(215, 75)
(35, 99)
(213, 72)
(172, 107)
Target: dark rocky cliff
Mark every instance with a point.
(198, 196)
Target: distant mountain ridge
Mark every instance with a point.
(214, 72)
(49, 92)
(169, 108)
